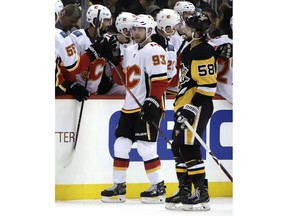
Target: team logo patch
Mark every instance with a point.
(63, 34)
(170, 48)
(77, 33)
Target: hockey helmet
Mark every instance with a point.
(184, 6)
(92, 13)
(124, 20)
(199, 22)
(167, 18)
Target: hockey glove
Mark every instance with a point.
(150, 110)
(114, 55)
(98, 49)
(79, 92)
(225, 50)
(188, 112)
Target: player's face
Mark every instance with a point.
(126, 32)
(187, 31)
(186, 14)
(171, 31)
(138, 34)
(105, 25)
(68, 22)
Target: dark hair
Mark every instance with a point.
(71, 10)
(224, 22)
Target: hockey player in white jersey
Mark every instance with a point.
(145, 73)
(184, 9)
(225, 69)
(66, 57)
(167, 24)
(100, 79)
(123, 25)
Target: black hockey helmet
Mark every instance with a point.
(199, 22)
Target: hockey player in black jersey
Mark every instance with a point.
(194, 104)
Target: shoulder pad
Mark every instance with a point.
(77, 33)
(63, 34)
(170, 47)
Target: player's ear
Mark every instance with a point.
(150, 30)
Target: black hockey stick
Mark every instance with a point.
(181, 47)
(82, 103)
(208, 149)
(138, 103)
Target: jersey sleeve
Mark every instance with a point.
(81, 41)
(156, 68)
(66, 50)
(171, 64)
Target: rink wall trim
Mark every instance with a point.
(93, 191)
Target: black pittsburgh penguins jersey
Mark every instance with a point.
(198, 75)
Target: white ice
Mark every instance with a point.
(219, 207)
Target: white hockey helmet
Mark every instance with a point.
(152, 20)
(58, 6)
(92, 13)
(144, 21)
(231, 22)
(167, 17)
(184, 6)
(124, 20)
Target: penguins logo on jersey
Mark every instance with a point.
(184, 78)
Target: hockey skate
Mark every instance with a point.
(199, 201)
(115, 194)
(155, 194)
(175, 202)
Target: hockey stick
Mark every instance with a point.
(208, 149)
(82, 103)
(138, 103)
(181, 47)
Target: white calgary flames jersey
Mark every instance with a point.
(82, 42)
(171, 66)
(141, 66)
(65, 50)
(65, 54)
(225, 71)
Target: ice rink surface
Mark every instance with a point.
(219, 207)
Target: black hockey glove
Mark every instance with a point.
(98, 49)
(79, 92)
(113, 46)
(188, 112)
(151, 109)
(225, 50)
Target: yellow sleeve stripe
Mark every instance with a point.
(74, 66)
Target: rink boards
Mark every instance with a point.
(91, 168)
